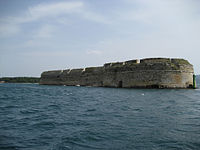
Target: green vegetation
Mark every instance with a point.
(174, 66)
(20, 79)
(155, 60)
(117, 64)
(180, 61)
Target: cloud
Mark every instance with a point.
(93, 52)
(57, 12)
(40, 11)
(46, 31)
(159, 19)
(65, 8)
(135, 29)
(94, 17)
(54, 9)
(40, 37)
(7, 30)
(161, 11)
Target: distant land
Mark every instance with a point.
(19, 80)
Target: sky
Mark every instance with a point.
(37, 36)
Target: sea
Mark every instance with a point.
(41, 117)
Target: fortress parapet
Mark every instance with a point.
(144, 73)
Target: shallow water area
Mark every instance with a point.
(42, 117)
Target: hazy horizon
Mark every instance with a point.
(37, 36)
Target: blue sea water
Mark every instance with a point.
(38, 117)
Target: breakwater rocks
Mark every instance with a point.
(144, 73)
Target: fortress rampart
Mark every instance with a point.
(144, 73)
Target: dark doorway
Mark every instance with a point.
(154, 86)
(120, 84)
(190, 86)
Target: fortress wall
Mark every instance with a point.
(51, 77)
(92, 76)
(71, 77)
(117, 64)
(155, 79)
(109, 79)
(74, 72)
(146, 73)
(139, 78)
(93, 70)
(91, 80)
(177, 79)
(154, 60)
(179, 61)
(51, 74)
(129, 62)
(148, 79)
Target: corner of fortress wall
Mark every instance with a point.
(144, 73)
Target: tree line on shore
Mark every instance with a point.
(19, 80)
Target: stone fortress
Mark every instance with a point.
(144, 73)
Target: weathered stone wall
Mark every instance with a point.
(145, 73)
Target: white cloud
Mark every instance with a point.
(54, 9)
(65, 8)
(40, 11)
(57, 12)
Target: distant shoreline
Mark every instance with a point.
(19, 80)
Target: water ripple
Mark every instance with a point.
(66, 118)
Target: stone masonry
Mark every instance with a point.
(144, 73)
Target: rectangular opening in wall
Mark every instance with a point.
(120, 84)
